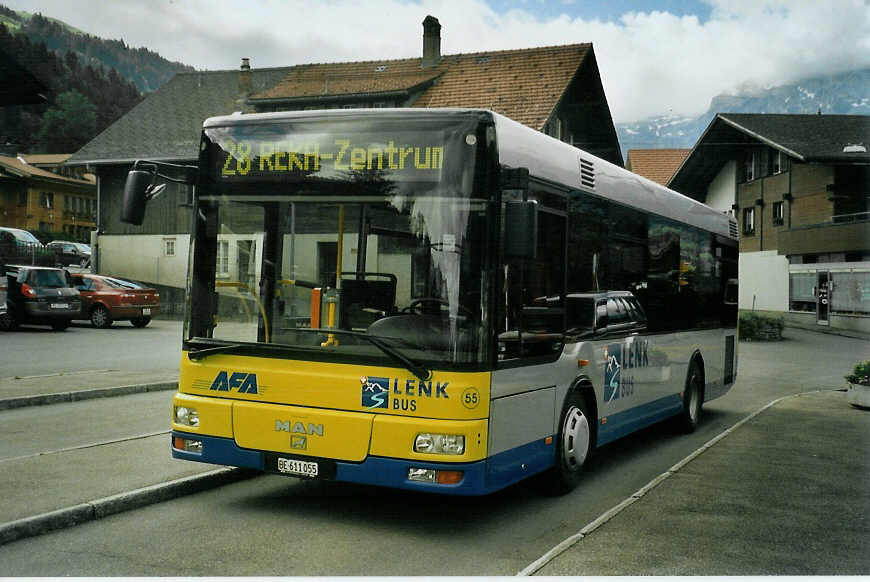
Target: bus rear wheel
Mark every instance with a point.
(573, 447)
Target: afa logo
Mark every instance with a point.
(375, 392)
(244, 382)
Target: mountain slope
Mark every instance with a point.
(845, 93)
(147, 69)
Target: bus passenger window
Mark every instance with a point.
(533, 323)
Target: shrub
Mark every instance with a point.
(860, 374)
(756, 326)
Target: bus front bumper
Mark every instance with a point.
(373, 470)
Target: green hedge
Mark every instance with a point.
(860, 374)
(755, 326)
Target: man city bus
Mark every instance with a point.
(440, 300)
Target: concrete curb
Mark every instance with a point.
(106, 506)
(76, 395)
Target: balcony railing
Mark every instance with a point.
(828, 237)
(854, 217)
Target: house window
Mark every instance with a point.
(223, 258)
(777, 214)
(22, 199)
(749, 165)
(749, 220)
(46, 199)
(775, 162)
(169, 247)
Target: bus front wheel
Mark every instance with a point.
(693, 399)
(573, 447)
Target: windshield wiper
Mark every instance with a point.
(201, 353)
(419, 370)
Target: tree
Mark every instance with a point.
(67, 126)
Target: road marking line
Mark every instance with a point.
(86, 446)
(617, 509)
(62, 374)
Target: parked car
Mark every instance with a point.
(604, 312)
(18, 237)
(70, 253)
(41, 295)
(108, 299)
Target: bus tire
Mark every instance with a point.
(573, 446)
(693, 399)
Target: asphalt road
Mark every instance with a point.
(34, 350)
(272, 525)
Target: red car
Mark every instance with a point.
(108, 299)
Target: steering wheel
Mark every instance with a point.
(414, 306)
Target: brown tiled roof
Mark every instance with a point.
(327, 80)
(657, 165)
(524, 84)
(17, 167)
(37, 159)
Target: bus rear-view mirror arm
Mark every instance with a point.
(141, 186)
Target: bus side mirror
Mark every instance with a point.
(138, 190)
(521, 229)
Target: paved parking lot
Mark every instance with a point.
(37, 350)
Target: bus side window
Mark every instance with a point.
(533, 324)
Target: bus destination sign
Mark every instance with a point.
(336, 157)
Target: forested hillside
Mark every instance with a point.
(147, 69)
(90, 82)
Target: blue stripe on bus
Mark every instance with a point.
(481, 477)
(219, 451)
(516, 464)
(623, 423)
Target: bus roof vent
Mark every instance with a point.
(732, 228)
(587, 174)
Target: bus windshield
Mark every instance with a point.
(380, 258)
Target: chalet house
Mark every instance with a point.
(799, 187)
(34, 198)
(556, 90)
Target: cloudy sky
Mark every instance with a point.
(655, 56)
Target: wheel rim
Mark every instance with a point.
(575, 438)
(99, 317)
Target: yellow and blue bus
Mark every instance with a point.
(440, 300)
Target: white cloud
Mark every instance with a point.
(651, 63)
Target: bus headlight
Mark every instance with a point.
(186, 416)
(439, 444)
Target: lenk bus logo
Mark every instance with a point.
(391, 393)
(244, 382)
(619, 358)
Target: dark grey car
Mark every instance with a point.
(70, 253)
(40, 295)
